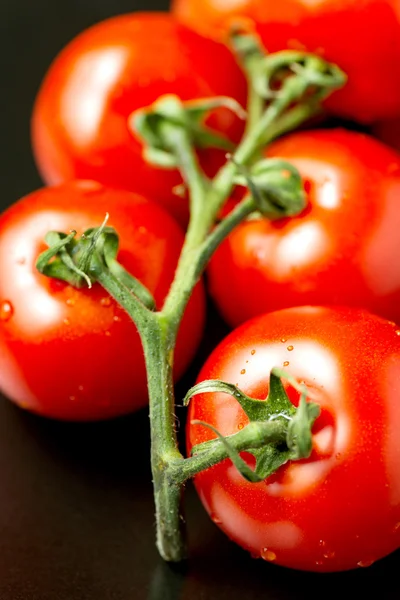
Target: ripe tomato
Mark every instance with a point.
(361, 36)
(75, 354)
(80, 120)
(340, 250)
(388, 132)
(340, 508)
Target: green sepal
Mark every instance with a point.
(150, 123)
(268, 72)
(299, 439)
(106, 243)
(233, 454)
(275, 186)
(56, 262)
(80, 262)
(276, 406)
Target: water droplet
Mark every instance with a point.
(290, 348)
(21, 261)
(286, 363)
(319, 562)
(396, 527)
(117, 319)
(90, 186)
(322, 543)
(215, 519)
(365, 563)
(240, 426)
(397, 332)
(80, 388)
(268, 554)
(108, 333)
(283, 340)
(106, 302)
(252, 352)
(243, 371)
(70, 302)
(66, 321)
(72, 398)
(329, 554)
(255, 556)
(6, 310)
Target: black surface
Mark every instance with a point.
(76, 516)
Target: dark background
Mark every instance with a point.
(76, 510)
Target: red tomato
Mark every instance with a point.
(361, 36)
(340, 508)
(75, 354)
(80, 120)
(340, 250)
(388, 132)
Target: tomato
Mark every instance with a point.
(340, 250)
(340, 508)
(388, 132)
(75, 354)
(80, 119)
(361, 36)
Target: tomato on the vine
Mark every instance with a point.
(72, 353)
(340, 508)
(340, 250)
(388, 131)
(80, 121)
(362, 37)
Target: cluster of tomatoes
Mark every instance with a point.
(74, 354)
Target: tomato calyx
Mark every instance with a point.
(270, 73)
(157, 123)
(275, 187)
(82, 262)
(277, 431)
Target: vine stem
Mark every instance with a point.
(158, 329)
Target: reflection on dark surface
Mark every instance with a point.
(76, 507)
(76, 522)
(167, 582)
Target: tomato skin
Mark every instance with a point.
(340, 508)
(339, 250)
(75, 354)
(388, 131)
(80, 119)
(367, 49)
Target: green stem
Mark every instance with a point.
(138, 312)
(254, 435)
(158, 330)
(191, 172)
(158, 350)
(222, 230)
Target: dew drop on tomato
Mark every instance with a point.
(365, 563)
(105, 301)
(268, 555)
(215, 519)
(6, 310)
